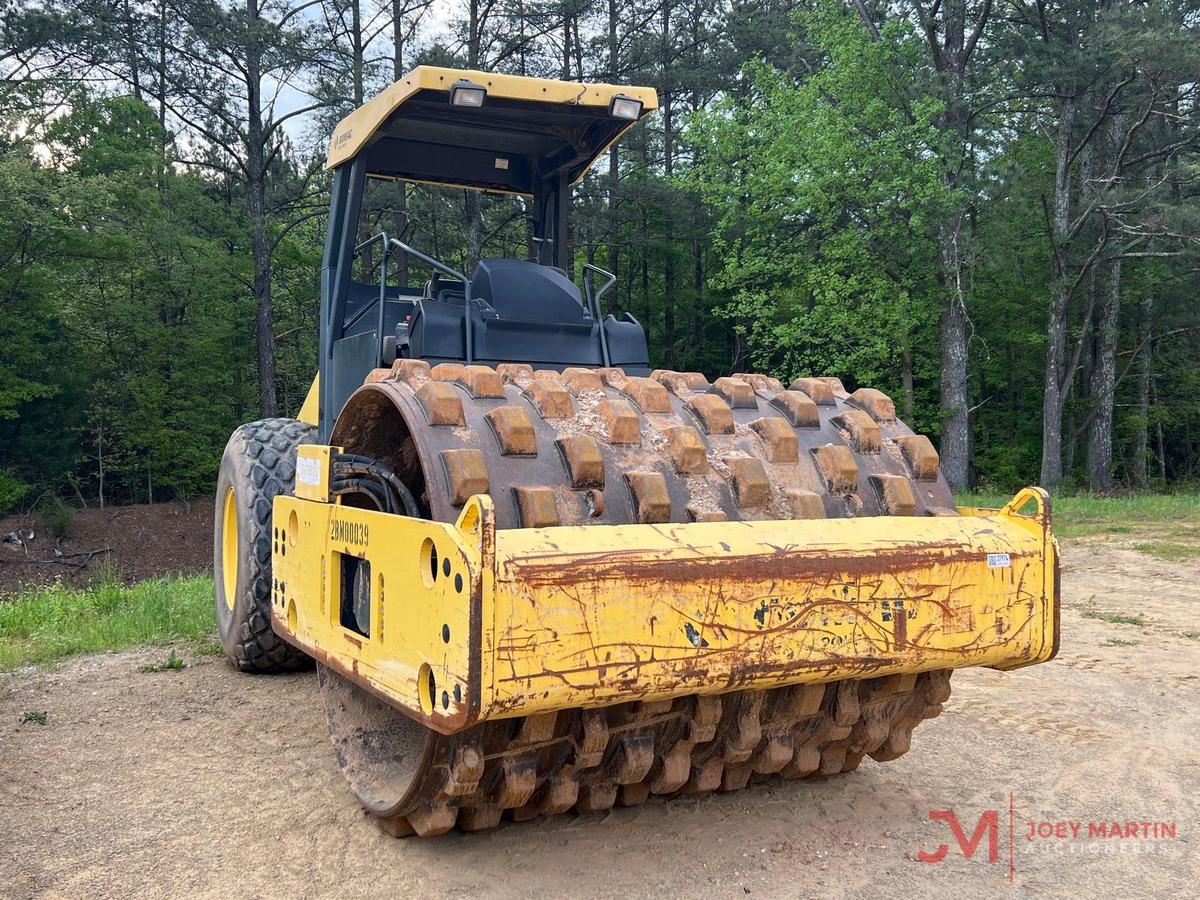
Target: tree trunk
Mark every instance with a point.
(698, 310)
(1141, 447)
(356, 52)
(951, 60)
(475, 24)
(400, 217)
(164, 142)
(578, 47)
(1103, 381)
(568, 253)
(566, 47)
(614, 168)
(100, 463)
(1056, 328)
(668, 161)
(1102, 384)
(955, 448)
(358, 88)
(263, 329)
(131, 48)
(256, 186)
(614, 224)
(643, 244)
(474, 232)
(1071, 404)
(906, 375)
(1158, 432)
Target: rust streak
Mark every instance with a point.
(554, 569)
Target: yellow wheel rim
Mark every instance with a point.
(229, 548)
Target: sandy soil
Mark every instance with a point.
(206, 783)
(138, 542)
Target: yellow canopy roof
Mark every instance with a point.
(527, 129)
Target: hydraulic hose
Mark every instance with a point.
(379, 476)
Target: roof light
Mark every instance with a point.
(622, 106)
(467, 93)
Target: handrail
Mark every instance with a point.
(594, 304)
(388, 243)
(381, 236)
(454, 273)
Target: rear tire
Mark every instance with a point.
(259, 463)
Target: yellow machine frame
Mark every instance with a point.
(471, 623)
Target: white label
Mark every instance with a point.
(308, 470)
(999, 561)
(501, 162)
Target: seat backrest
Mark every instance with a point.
(528, 292)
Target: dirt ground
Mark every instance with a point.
(138, 542)
(207, 783)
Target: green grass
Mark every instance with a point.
(1090, 612)
(1083, 514)
(209, 647)
(1169, 550)
(41, 626)
(171, 664)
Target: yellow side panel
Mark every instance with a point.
(310, 409)
(426, 581)
(588, 616)
(520, 621)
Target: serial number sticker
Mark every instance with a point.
(349, 532)
(308, 470)
(501, 162)
(999, 561)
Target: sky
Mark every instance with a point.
(434, 26)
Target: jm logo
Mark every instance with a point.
(989, 824)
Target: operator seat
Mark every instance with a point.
(525, 311)
(524, 291)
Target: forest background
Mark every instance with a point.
(990, 210)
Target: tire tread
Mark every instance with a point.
(269, 447)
